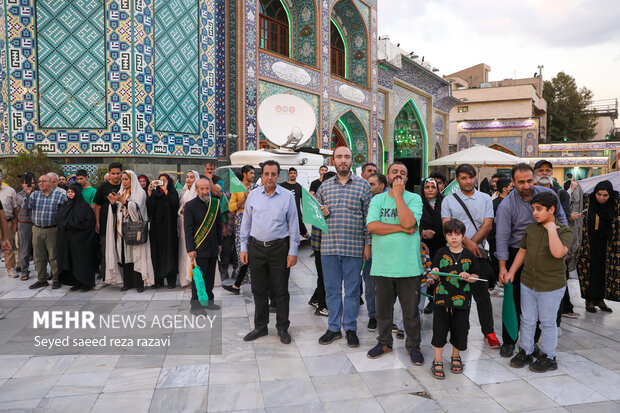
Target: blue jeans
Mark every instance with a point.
(543, 306)
(369, 289)
(336, 270)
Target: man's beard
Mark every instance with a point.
(543, 180)
(204, 198)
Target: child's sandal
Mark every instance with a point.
(438, 373)
(456, 365)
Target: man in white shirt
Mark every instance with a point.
(8, 197)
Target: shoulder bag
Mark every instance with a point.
(136, 232)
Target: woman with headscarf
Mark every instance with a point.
(163, 205)
(431, 226)
(135, 260)
(599, 254)
(145, 182)
(78, 243)
(187, 194)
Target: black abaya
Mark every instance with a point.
(163, 209)
(78, 242)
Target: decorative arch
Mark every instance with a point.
(501, 148)
(356, 135)
(413, 114)
(349, 20)
(274, 21)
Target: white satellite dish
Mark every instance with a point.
(287, 121)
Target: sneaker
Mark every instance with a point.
(314, 304)
(13, 273)
(394, 328)
(352, 340)
(417, 358)
(496, 292)
(372, 324)
(378, 350)
(521, 359)
(543, 364)
(321, 311)
(570, 315)
(506, 350)
(400, 334)
(492, 341)
(330, 336)
(101, 285)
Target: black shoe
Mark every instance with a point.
(39, 284)
(140, 289)
(314, 304)
(124, 288)
(330, 336)
(85, 289)
(506, 350)
(543, 364)
(49, 277)
(273, 309)
(372, 324)
(156, 286)
(285, 337)
(172, 286)
(254, 334)
(394, 328)
(74, 288)
(231, 289)
(352, 340)
(521, 359)
(56, 285)
(212, 306)
(361, 301)
(429, 308)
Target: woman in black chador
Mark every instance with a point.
(163, 205)
(78, 242)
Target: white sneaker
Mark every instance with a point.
(101, 285)
(497, 292)
(13, 273)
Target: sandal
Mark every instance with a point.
(24, 277)
(438, 373)
(456, 365)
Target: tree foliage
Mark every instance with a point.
(35, 161)
(567, 109)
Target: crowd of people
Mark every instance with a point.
(522, 238)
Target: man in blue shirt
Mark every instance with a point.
(44, 204)
(514, 214)
(269, 241)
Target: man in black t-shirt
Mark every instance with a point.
(314, 186)
(113, 185)
(296, 189)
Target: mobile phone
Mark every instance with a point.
(158, 182)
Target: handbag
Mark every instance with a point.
(486, 267)
(136, 232)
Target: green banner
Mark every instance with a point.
(452, 188)
(235, 183)
(311, 211)
(509, 312)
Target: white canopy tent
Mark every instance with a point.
(477, 155)
(587, 185)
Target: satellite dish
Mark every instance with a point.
(287, 121)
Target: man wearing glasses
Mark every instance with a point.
(44, 204)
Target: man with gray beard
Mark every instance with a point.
(203, 239)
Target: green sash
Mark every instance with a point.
(207, 223)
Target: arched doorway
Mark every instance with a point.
(410, 143)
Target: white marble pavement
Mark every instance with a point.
(266, 376)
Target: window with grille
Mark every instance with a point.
(273, 26)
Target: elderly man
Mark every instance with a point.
(269, 242)
(203, 238)
(54, 181)
(44, 204)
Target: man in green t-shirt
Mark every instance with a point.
(393, 219)
(88, 192)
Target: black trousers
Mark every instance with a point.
(566, 306)
(319, 292)
(480, 292)
(171, 279)
(407, 289)
(269, 272)
(516, 294)
(207, 266)
(450, 320)
(241, 275)
(131, 278)
(226, 257)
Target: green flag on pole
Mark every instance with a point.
(311, 211)
(509, 312)
(235, 183)
(224, 207)
(452, 188)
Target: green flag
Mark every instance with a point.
(178, 186)
(509, 312)
(224, 207)
(235, 183)
(452, 188)
(311, 211)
